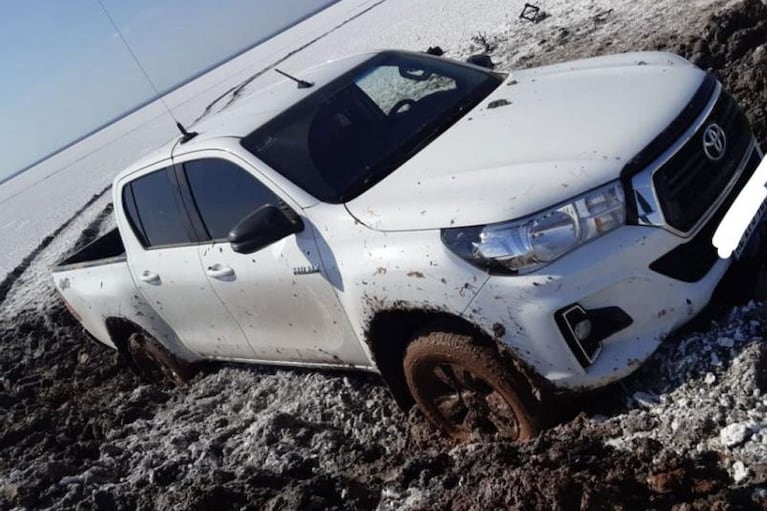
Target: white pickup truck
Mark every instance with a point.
(484, 241)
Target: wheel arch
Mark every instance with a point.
(390, 331)
(120, 330)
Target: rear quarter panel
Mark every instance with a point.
(96, 293)
(105, 291)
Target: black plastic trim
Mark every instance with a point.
(131, 210)
(689, 183)
(605, 322)
(691, 261)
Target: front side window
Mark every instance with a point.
(154, 211)
(352, 132)
(224, 194)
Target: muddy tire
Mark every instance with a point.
(466, 391)
(155, 364)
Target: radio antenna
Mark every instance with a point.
(185, 135)
(302, 84)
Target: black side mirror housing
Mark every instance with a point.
(263, 227)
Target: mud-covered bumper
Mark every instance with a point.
(619, 273)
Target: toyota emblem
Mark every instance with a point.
(714, 142)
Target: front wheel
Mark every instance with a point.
(466, 391)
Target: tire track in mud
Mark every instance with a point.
(237, 89)
(10, 279)
(61, 392)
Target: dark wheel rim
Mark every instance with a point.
(467, 404)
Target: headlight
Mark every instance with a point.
(523, 246)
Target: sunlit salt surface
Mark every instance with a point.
(35, 203)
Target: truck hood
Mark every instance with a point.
(542, 137)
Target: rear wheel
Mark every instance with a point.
(157, 365)
(466, 391)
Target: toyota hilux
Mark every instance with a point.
(482, 240)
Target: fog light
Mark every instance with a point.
(584, 330)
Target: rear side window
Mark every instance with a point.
(154, 212)
(224, 194)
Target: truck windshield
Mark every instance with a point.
(351, 133)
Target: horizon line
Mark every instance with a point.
(166, 91)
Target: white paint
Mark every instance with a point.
(564, 133)
(734, 224)
(263, 312)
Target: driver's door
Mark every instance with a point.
(279, 294)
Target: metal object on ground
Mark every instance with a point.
(482, 59)
(531, 13)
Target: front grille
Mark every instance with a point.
(690, 183)
(691, 261)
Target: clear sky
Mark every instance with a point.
(64, 71)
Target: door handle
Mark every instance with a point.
(150, 277)
(220, 271)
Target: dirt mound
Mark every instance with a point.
(60, 394)
(734, 46)
(77, 430)
(571, 468)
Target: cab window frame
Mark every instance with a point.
(190, 202)
(137, 222)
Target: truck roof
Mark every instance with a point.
(245, 116)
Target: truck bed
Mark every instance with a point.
(107, 249)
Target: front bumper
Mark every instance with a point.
(614, 271)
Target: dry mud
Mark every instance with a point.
(688, 431)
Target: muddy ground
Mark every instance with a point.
(688, 431)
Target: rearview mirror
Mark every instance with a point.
(412, 73)
(263, 227)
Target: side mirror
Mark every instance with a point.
(263, 227)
